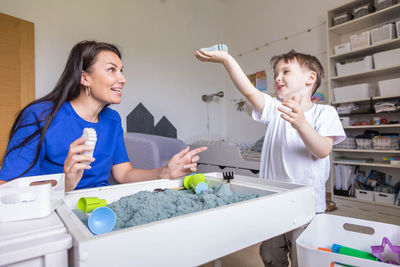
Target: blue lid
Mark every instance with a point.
(200, 187)
(336, 248)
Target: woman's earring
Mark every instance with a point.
(87, 90)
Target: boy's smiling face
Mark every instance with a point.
(291, 79)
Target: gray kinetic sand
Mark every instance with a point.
(145, 207)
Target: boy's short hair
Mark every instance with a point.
(308, 61)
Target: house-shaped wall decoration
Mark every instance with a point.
(140, 120)
(165, 128)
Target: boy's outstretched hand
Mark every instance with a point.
(295, 115)
(213, 56)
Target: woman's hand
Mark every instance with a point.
(182, 163)
(213, 56)
(73, 165)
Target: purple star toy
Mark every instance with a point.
(378, 251)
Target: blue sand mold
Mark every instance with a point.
(201, 187)
(101, 220)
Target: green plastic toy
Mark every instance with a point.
(87, 204)
(195, 181)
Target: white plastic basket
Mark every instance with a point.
(325, 230)
(364, 143)
(21, 201)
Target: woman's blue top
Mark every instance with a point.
(65, 128)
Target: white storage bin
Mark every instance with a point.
(353, 92)
(381, 4)
(389, 87)
(364, 144)
(387, 58)
(384, 33)
(325, 230)
(345, 121)
(342, 48)
(384, 198)
(364, 195)
(398, 28)
(360, 40)
(354, 67)
(342, 18)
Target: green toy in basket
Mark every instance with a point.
(196, 181)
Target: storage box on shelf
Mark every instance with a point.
(364, 195)
(398, 28)
(385, 143)
(348, 143)
(342, 18)
(354, 92)
(355, 66)
(387, 58)
(363, 10)
(381, 34)
(342, 48)
(384, 198)
(364, 143)
(360, 40)
(381, 4)
(389, 87)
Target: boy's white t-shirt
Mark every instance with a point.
(284, 155)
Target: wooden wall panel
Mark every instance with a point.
(17, 71)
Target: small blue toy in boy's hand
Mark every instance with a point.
(217, 47)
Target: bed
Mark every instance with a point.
(224, 156)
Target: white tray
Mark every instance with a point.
(195, 238)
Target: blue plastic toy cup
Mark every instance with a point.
(101, 220)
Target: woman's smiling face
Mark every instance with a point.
(105, 78)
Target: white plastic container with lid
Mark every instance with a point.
(387, 58)
(382, 34)
(353, 92)
(362, 65)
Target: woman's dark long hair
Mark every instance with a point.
(82, 56)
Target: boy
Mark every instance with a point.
(299, 135)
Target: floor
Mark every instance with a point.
(249, 257)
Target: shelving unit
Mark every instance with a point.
(340, 34)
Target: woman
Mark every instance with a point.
(46, 136)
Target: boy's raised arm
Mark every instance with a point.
(237, 75)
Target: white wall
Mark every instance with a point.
(251, 24)
(158, 38)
